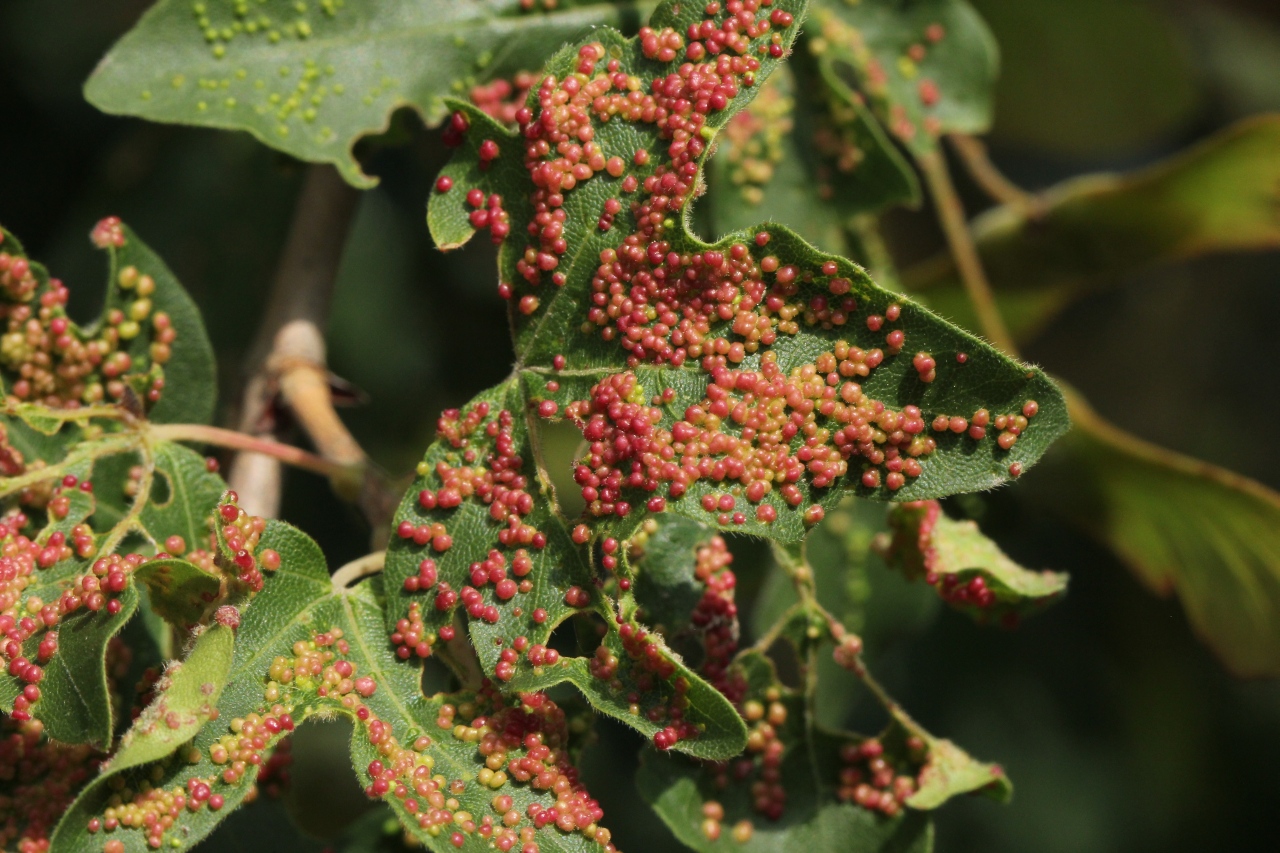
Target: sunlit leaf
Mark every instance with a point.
(310, 81)
(187, 697)
(751, 325)
(306, 648)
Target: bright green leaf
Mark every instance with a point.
(312, 81)
(306, 648)
(186, 698)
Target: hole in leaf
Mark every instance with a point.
(577, 635)
(562, 444)
(323, 795)
(161, 489)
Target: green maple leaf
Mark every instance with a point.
(312, 82)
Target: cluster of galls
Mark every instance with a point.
(716, 614)
(869, 779)
(41, 780)
(661, 304)
(23, 617)
(498, 482)
(712, 818)
(411, 637)
(561, 151)
(1008, 427)
(525, 744)
(765, 715)
(244, 753)
(153, 811)
(912, 544)
(875, 77)
(650, 669)
(714, 619)
(502, 97)
(49, 359)
(818, 406)
(240, 533)
(487, 211)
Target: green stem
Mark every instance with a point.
(951, 217)
(973, 154)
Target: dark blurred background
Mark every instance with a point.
(1120, 730)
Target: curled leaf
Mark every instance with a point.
(968, 570)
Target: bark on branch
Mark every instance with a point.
(287, 362)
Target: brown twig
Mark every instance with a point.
(973, 154)
(955, 226)
(229, 438)
(349, 575)
(287, 360)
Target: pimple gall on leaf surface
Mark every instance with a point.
(471, 770)
(92, 504)
(480, 551)
(754, 370)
